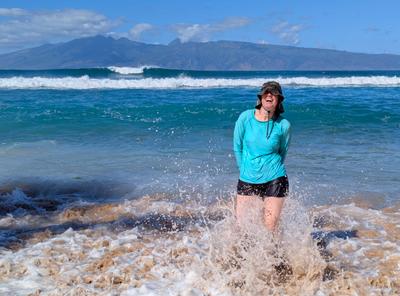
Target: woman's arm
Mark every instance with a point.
(284, 143)
(238, 135)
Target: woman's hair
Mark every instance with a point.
(275, 89)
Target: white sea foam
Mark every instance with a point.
(85, 82)
(109, 256)
(129, 70)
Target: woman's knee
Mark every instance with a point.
(272, 210)
(271, 221)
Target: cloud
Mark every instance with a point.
(194, 32)
(231, 23)
(287, 32)
(25, 28)
(203, 32)
(138, 29)
(12, 12)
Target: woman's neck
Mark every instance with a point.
(264, 115)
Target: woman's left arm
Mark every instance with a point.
(285, 141)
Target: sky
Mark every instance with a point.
(352, 25)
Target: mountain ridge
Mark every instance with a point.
(102, 51)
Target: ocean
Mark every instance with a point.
(120, 181)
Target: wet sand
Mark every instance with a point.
(155, 246)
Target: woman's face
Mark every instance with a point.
(269, 102)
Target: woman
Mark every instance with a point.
(261, 140)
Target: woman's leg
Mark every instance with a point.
(248, 209)
(272, 211)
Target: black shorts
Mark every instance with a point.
(278, 188)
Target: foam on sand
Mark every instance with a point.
(151, 245)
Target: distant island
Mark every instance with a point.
(101, 51)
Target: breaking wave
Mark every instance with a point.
(86, 82)
(129, 70)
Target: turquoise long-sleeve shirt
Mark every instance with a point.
(259, 159)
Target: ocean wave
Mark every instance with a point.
(129, 70)
(125, 247)
(85, 82)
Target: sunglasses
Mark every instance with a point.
(269, 96)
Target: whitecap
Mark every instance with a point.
(85, 82)
(129, 70)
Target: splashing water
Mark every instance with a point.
(152, 245)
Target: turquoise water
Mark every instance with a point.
(120, 180)
(177, 137)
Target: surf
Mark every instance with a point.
(85, 82)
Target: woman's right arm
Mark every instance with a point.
(238, 135)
